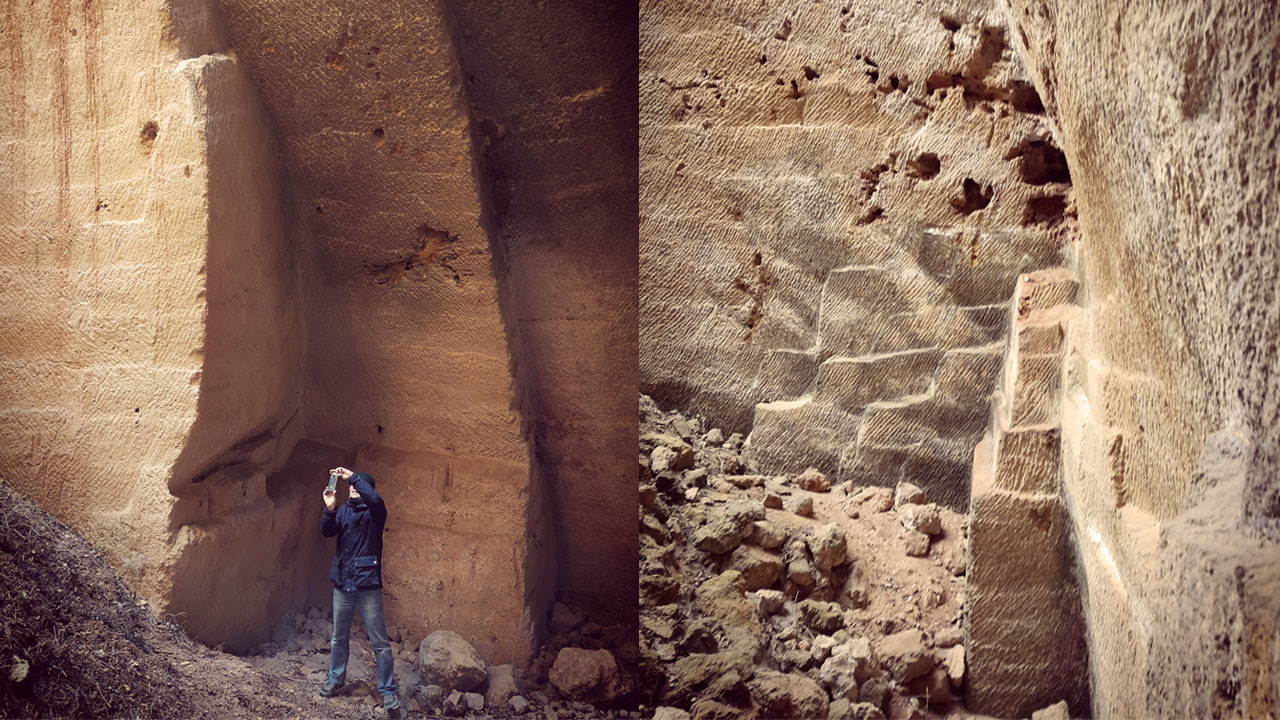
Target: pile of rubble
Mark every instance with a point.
(583, 670)
(786, 597)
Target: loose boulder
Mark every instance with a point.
(446, 659)
(590, 676)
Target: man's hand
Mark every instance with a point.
(330, 500)
(342, 472)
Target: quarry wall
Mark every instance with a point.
(1166, 115)
(255, 241)
(836, 201)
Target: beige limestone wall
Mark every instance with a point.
(262, 228)
(835, 202)
(1170, 434)
(146, 250)
(551, 90)
(407, 351)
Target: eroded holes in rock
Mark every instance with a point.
(1024, 98)
(186, 170)
(871, 216)
(784, 32)
(432, 248)
(810, 73)
(757, 259)
(147, 136)
(991, 49)
(380, 428)
(378, 135)
(1048, 210)
(762, 59)
(795, 93)
(950, 23)
(1040, 163)
(924, 167)
(871, 179)
(973, 197)
(319, 209)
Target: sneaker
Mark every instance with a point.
(331, 688)
(392, 706)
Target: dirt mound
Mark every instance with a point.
(76, 642)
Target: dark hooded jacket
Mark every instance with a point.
(357, 562)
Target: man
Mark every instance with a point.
(356, 574)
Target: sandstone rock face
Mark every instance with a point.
(1025, 638)
(1169, 437)
(832, 224)
(223, 279)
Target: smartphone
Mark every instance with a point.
(333, 482)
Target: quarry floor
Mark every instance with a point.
(76, 642)
(891, 604)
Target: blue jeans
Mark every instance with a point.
(369, 602)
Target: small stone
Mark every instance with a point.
(948, 636)
(502, 685)
(773, 501)
(844, 709)
(849, 665)
(800, 570)
(682, 427)
(822, 617)
(714, 436)
(906, 493)
(813, 481)
(781, 695)
(821, 647)
(1056, 711)
(875, 692)
(474, 701)
(759, 568)
(955, 560)
(917, 544)
(799, 505)
(743, 482)
(768, 602)
(921, 518)
(518, 705)
(725, 527)
(563, 619)
(670, 713)
(905, 708)
(767, 535)
(875, 499)
(904, 655)
(684, 459)
(661, 459)
(455, 704)
(691, 494)
(733, 442)
(696, 477)
(857, 589)
(828, 545)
